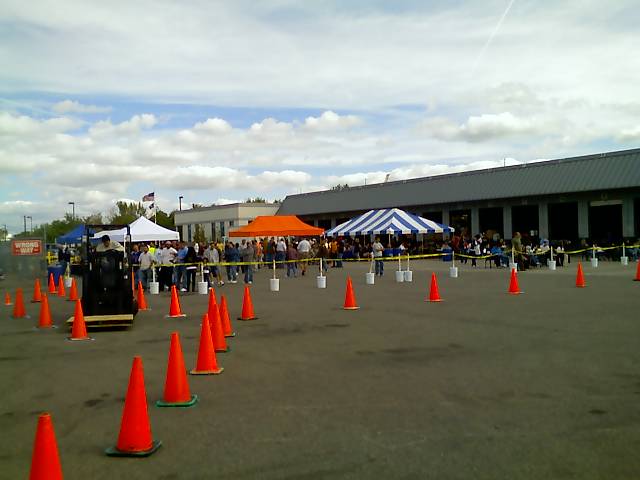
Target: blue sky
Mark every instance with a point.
(220, 101)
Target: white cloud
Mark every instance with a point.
(479, 128)
(329, 121)
(132, 126)
(630, 134)
(72, 106)
(213, 126)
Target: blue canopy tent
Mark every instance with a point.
(74, 236)
(390, 221)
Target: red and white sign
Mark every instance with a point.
(26, 247)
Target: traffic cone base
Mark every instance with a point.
(71, 339)
(206, 372)
(114, 452)
(190, 403)
(350, 308)
(247, 319)
(436, 300)
(221, 350)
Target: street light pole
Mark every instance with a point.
(180, 200)
(73, 207)
(24, 217)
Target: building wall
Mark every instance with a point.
(539, 208)
(217, 221)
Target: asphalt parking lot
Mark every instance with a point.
(484, 385)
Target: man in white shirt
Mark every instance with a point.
(167, 258)
(304, 248)
(377, 255)
(281, 252)
(146, 261)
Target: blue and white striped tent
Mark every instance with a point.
(388, 220)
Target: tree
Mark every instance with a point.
(255, 200)
(340, 187)
(198, 234)
(165, 219)
(93, 219)
(123, 213)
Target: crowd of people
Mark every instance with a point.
(177, 263)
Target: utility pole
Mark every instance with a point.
(25, 223)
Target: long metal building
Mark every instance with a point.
(593, 197)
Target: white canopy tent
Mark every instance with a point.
(142, 230)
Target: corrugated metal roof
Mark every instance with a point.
(602, 171)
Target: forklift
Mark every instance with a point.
(108, 300)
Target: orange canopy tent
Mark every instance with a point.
(281, 225)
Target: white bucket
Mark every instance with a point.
(513, 266)
(594, 262)
(203, 288)
(408, 276)
(624, 260)
(67, 282)
(154, 288)
(322, 281)
(552, 264)
(274, 284)
(371, 278)
(453, 272)
(399, 276)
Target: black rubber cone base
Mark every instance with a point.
(190, 403)
(114, 452)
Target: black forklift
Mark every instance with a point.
(108, 300)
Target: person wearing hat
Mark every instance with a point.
(167, 259)
(107, 244)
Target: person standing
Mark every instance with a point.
(292, 257)
(304, 250)
(246, 253)
(377, 255)
(167, 259)
(146, 261)
(281, 251)
(191, 259)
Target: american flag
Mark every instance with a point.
(149, 197)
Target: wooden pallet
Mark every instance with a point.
(93, 322)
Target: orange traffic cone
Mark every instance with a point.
(215, 322)
(52, 284)
(207, 363)
(61, 291)
(224, 316)
(37, 294)
(7, 299)
(580, 283)
(176, 386)
(434, 293)
(637, 279)
(45, 314)
(135, 438)
(45, 460)
(142, 302)
(18, 307)
(174, 308)
(73, 291)
(79, 329)
(350, 298)
(247, 306)
(514, 288)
